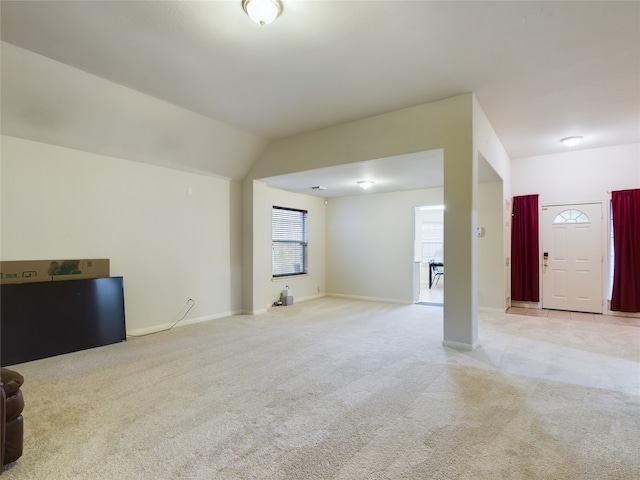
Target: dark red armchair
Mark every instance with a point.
(11, 421)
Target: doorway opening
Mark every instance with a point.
(429, 255)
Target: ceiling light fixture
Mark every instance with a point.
(262, 12)
(365, 184)
(571, 141)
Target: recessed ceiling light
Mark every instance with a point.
(571, 141)
(365, 184)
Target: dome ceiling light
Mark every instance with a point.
(365, 184)
(262, 12)
(571, 141)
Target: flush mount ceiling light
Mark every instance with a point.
(571, 141)
(262, 12)
(365, 184)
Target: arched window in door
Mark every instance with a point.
(571, 216)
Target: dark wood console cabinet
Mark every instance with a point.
(44, 319)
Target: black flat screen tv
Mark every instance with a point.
(44, 319)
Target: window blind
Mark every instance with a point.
(288, 241)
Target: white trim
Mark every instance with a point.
(561, 204)
(312, 297)
(465, 347)
(287, 278)
(181, 323)
(615, 313)
(254, 312)
(604, 247)
(519, 304)
(301, 299)
(491, 310)
(370, 299)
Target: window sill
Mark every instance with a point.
(288, 277)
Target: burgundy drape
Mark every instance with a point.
(525, 268)
(626, 245)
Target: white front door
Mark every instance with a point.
(572, 257)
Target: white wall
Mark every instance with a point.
(580, 175)
(50, 102)
(60, 203)
(491, 276)
(445, 124)
(370, 244)
(494, 271)
(487, 144)
(302, 286)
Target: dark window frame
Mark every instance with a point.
(289, 242)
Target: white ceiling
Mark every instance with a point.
(540, 70)
(404, 172)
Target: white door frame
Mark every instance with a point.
(604, 229)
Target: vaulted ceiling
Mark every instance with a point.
(540, 70)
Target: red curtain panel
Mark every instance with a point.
(525, 269)
(626, 244)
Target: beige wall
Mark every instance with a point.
(445, 124)
(580, 176)
(314, 283)
(494, 271)
(145, 213)
(50, 102)
(491, 263)
(371, 240)
(167, 244)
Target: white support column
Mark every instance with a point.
(460, 251)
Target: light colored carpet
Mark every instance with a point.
(340, 389)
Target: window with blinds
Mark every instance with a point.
(288, 241)
(432, 242)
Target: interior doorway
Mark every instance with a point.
(572, 257)
(429, 251)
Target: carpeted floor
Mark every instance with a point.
(340, 389)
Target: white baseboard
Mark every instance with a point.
(612, 313)
(491, 310)
(537, 305)
(465, 347)
(299, 299)
(253, 312)
(313, 297)
(186, 321)
(370, 299)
